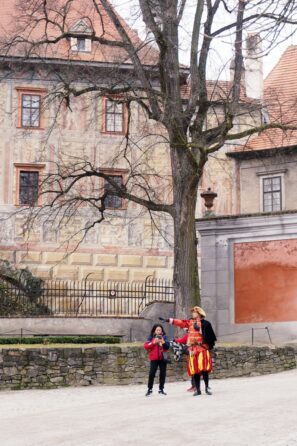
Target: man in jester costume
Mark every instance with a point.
(201, 339)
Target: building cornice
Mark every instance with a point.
(262, 153)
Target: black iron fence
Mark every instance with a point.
(59, 298)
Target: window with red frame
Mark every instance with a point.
(28, 183)
(30, 110)
(114, 116)
(30, 107)
(28, 187)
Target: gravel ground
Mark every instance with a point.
(241, 412)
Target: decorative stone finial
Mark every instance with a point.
(208, 197)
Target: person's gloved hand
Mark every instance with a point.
(196, 326)
(163, 320)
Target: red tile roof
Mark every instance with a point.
(217, 90)
(13, 18)
(280, 98)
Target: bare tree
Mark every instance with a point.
(179, 100)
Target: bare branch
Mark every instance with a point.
(135, 59)
(238, 62)
(181, 11)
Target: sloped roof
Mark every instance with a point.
(218, 90)
(280, 99)
(16, 21)
(82, 17)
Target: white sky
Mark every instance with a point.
(221, 54)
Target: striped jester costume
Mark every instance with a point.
(199, 359)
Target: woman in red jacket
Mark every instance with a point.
(157, 344)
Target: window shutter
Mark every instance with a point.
(88, 45)
(73, 43)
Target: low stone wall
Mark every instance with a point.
(48, 367)
(251, 360)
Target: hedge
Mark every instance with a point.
(61, 340)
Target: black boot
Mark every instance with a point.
(206, 382)
(198, 392)
(161, 392)
(207, 391)
(149, 392)
(196, 379)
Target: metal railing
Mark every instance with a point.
(65, 298)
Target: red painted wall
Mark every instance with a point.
(265, 281)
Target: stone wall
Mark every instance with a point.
(122, 264)
(252, 360)
(48, 367)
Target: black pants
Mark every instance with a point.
(196, 379)
(153, 369)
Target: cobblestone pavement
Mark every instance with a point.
(254, 411)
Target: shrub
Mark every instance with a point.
(19, 292)
(61, 340)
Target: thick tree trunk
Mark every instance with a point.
(185, 277)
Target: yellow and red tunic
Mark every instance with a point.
(199, 359)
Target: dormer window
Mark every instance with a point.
(83, 43)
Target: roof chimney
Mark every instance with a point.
(254, 66)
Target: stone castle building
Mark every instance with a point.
(41, 131)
